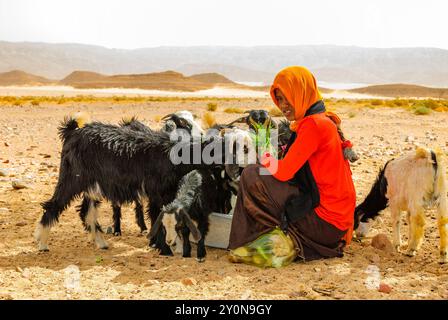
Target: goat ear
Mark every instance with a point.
(232, 171)
(194, 231)
(155, 228)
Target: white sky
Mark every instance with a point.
(147, 23)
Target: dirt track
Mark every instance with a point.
(129, 270)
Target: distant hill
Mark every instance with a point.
(19, 78)
(403, 91)
(168, 80)
(336, 64)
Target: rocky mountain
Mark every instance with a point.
(342, 64)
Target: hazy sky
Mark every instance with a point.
(148, 23)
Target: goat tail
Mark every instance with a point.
(70, 124)
(127, 120)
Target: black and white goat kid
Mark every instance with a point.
(409, 183)
(189, 213)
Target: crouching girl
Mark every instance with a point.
(309, 193)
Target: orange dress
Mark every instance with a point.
(318, 142)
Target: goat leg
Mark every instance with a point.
(117, 219)
(186, 248)
(139, 216)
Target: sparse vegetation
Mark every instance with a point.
(422, 110)
(352, 114)
(23, 100)
(208, 120)
(34, 103)
(233, 110)
(212, 106)
(275, 112)
(376, 102)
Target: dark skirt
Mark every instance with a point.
(259, 208)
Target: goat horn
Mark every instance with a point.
(168, 116)
(239, 120)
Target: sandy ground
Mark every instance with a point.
(74, 269)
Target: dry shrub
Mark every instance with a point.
(208, 120)
(275, 112)
(422, 110)
(212, 106)
(352, 114)
(376, 102)
(233, 110)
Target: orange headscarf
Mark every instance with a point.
(300, 89)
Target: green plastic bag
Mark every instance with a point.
(272, 249)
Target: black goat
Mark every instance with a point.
(107, 161)
(172, 122)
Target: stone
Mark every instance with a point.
(17, 184)
(382, 242)
(384, 288)
(188, 282)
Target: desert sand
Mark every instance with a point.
(30, 150)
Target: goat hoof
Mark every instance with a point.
(200, 259)
(166, 252)
(144, 232)
(43, 248)
(109, 230)
(443, 258)
(117, 233)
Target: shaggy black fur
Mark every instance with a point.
(122, 162)
(375, 201)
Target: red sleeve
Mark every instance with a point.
(300, 151)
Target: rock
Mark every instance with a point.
(3, 173)
(4, 210)
(7, 144)
(188, 282)
(385, 288)
(382, 242)
(409, 139)
(17, 184)
(21, 224)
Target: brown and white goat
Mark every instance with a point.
(410, 183)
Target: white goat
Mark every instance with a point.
(410, 183)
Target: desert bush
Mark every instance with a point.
(343, 100)
(422, 110)
(34, 103)
(377, 102)
(233, 110)
(275, 112)
(352, 114)
(431, 104)
(212, 106)
(208, 120)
